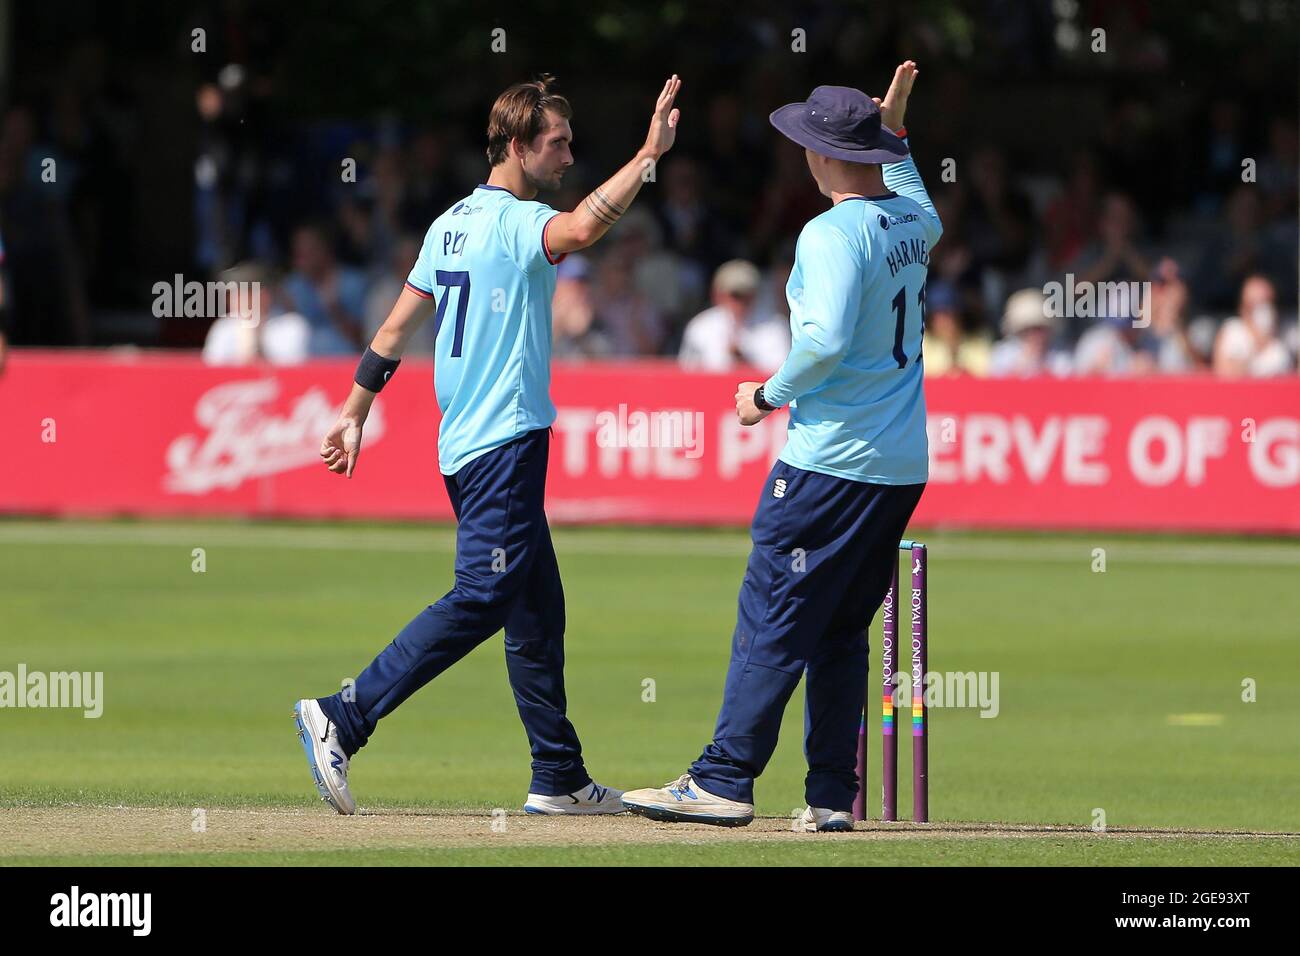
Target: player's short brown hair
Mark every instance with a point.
(518, 114)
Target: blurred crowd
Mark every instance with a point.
(1205, 253)
(697, 268)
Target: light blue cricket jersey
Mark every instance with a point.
(485, 262)
(857, 300)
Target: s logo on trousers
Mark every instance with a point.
(778, 489)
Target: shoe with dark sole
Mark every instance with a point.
(819, 820)
(683, 801)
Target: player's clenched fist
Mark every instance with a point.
(746, 410)
(341, 446)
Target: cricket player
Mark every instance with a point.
(825, 535)
(488, 265)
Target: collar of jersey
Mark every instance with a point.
(890, 195)
(501, 188)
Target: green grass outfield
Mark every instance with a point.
(1119, 692)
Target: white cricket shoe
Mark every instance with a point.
(683, 801)
(818, 820)
(591, 799)
(328, 762)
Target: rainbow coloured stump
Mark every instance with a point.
(920, 735)
(891, 659)
(888, 670)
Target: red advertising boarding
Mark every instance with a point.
(89, 433)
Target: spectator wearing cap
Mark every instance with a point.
(1028, 348)
(947, 347)
(254, 326)
(732, 332)
(1248, 344)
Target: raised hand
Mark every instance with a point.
(894, 105)
(663, 125)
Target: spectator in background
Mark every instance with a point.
(1114, 346)
(386, 187)
(1248, 344)
(672, 285)
(1201, 333)
(1175, 351)
(947, 348)
(1244, 248)
(47, 289)
(732, 332)
(1115, 256)
(1071, 219)
(572, 313)
(787, 200)
(1029, 348)
(353, 232)
(1223, 150)
(330, 296)
(627, 320)
(387, 286)
(953, 262)
(734, 162)
(1277, 170)
(1000, 221)
(1130, 137)
(231, 172)
(691, 225)
(431, 186)
(253, 326)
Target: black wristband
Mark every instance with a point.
(374, 371)
(760, 401)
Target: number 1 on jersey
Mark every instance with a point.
(461, 281)
(900, 308)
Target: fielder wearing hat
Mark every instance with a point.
(832, 511)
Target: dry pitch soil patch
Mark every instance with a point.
(53, 831)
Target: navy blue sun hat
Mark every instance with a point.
(842, 123)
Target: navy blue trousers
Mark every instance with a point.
(506, 576)
(822, 558)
